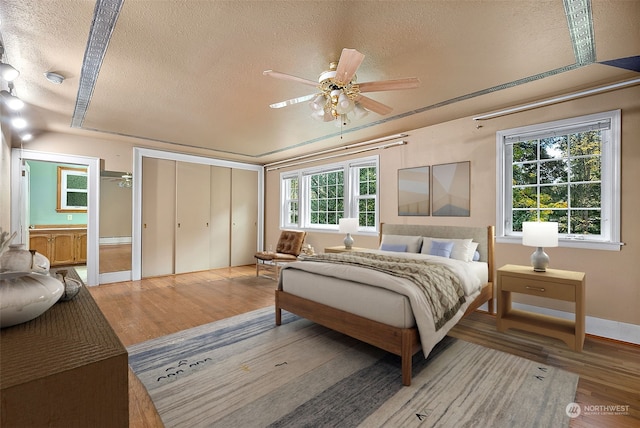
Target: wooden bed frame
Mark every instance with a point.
(404, 342)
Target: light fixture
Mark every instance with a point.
(126, 181)
(348, 226)
(7, 71)
(27, 136)
(540, 234)
(13, 102)
(336, 100)
(55, 78)
(19, 123)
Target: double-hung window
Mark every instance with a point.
(318, 197)
(566, 171)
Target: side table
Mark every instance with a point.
(554, 284)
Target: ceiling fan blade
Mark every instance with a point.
(284, 76)
(389, 85)
(373, 105)
(293, 101)
(350, 60)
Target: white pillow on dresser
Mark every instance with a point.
(463, 249)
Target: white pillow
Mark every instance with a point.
(463, 249)
(412, 242)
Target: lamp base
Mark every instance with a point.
(348, 241)
(539, 260)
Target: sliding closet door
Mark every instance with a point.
(244, 216)
(220, 253)
(158, 216)
(193, 183)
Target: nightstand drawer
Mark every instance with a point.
(553, 290)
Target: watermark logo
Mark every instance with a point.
(573, 410)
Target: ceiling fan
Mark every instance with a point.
(339, 94)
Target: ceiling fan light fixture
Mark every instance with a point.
(345, 104)
(359, 112)
(318, 103)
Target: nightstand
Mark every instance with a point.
(341, 249)
(553, 284)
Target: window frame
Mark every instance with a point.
(63, 173)
(609, 239)
(351, 194)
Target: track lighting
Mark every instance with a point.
(18, 123)
(7, 71)
(13, 102)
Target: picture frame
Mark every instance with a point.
(413, 191)
(451, 184)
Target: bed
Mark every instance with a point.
(367, 305)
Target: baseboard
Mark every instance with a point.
(109, 277)
(594, 326)
(599, 327)
(115, 240)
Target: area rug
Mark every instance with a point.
(246, 372)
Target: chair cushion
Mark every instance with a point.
(275, 256)
(290, 242)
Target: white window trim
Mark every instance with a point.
(610, 183)
(350, 194)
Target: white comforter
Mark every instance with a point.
(429, 337)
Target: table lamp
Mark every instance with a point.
(348, 226)
(540, 234)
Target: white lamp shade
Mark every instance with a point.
(348, 225)
(540, 234)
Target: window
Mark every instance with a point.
(72, 190)
(317, 198)
(566, 171)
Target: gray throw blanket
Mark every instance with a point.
(440, 286)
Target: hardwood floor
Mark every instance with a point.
(142, 310)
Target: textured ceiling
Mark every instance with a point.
(189, 73)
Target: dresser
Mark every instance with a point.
(66, 368)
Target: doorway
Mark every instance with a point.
(19, 193)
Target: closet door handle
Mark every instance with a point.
(178, 224)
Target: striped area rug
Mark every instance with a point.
(246, 372)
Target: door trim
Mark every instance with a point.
(93, 205)
(138, 154)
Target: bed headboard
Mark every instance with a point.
(484, 236)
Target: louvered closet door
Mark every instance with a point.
(244, 216)
(193, 193)
(158, 216)
(220, 249)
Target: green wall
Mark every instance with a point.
(43, 194)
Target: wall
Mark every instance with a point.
(5, 176)
(613, 277)
(115, 209)
(43, 196)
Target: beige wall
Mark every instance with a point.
(613, 277)
(115, 209)
(5, 178)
